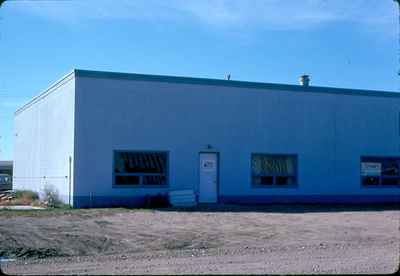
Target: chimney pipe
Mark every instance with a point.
(304, 80)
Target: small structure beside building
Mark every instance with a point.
(111, 139)
(6, 173)
(6, 167)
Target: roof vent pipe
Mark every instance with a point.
(304, 80)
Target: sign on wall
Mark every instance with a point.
(208, 165)
(371, 169)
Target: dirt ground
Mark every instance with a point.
(219, 239)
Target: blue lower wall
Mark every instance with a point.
(347, 199)
(108, 201)
(140, 201)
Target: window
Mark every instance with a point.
(270, 170)
(380, 171)
(140, 168)
(5, 179)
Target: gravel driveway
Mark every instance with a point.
(227, 239)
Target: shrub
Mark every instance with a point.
(25, 197)
(51, 198)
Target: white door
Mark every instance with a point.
(208, 177)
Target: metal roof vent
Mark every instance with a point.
(304, 80)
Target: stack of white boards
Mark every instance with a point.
(182, 198)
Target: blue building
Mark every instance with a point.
(106, 139)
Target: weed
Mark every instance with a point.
(51, 197)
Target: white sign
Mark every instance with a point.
(371, 169)
(208, 165)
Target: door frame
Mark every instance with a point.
(218, 173)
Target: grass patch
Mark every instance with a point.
(39, 253)
(21, 197)
(26, 194)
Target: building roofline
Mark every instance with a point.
(203, 81)
(233, 83)
(46, 92)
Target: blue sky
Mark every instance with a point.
(340, 43)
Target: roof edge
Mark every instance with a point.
(46, 92)
(233, 83)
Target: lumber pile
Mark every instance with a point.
(6, 196)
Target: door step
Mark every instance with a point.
(182, 198)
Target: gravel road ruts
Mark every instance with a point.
(220, 239)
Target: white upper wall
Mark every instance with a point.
(44, 139)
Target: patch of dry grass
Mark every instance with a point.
(19, 197)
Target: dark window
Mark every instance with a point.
(273, 170)
(127, 180)
(380, 171)
(282, 180)
(5, 179)
(140, 168)
(154, 180)
(370, 180)
(263, 180)
(390, 181)
(267, 180)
